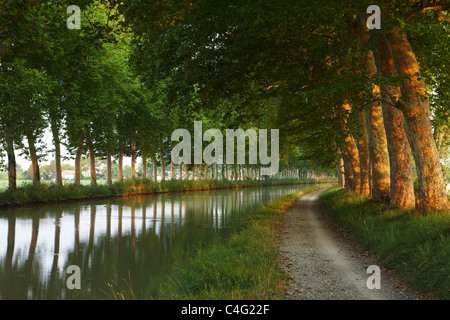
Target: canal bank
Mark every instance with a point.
(247, 266)
(43, 193)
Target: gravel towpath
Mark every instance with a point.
(324, 263)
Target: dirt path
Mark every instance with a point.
(325, 264)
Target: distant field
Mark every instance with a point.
(4, 183)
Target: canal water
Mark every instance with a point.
(118, 244)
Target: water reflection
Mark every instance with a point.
(116, 241)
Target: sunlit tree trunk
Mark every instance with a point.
(379, 155)
(353, 170)
(416, 111)
(363, 150)
(402, 184)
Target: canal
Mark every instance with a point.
(118, 244)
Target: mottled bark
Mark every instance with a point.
(378, 150)
(416, 111)
(108, 169)
(402, 184)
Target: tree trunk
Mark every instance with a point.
(108, 169)
(163, 165)
(78, 155)
(144, 166)
(133, 159)
(379, 155)
(402, 184)
(11, 160)
(92, 161)
(351, 152)
(155, 169)
(57, 143)
(173, 171)
(363, 150)
(416, 111)
(120, 164)
(34, 157)
(186, 168)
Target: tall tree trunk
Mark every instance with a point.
(78, 155)
(12, 184)
(172, 176)
(108, 169)
(402, 184)
(363, 149)
(155, 169)
(163, 165)
(133, 159)
(348, 173)
(377, 139)
(120, 164)
(92, 160)
(144, 166)
(57, 143)
(186, 168)
(34, 157)
(32, 146)
(416, 111)
(351, 152)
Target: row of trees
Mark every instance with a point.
(80, 85)
(341, 95)
(340, 92)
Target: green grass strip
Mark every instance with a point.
(415, 245)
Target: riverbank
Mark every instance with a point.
(415, 246)
(46, 193)
(246, 266)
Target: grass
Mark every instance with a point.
(415, 245)
(245, 266)
(49, 192)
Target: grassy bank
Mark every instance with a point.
(415, 245)
(244, 266)
(46, 192)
